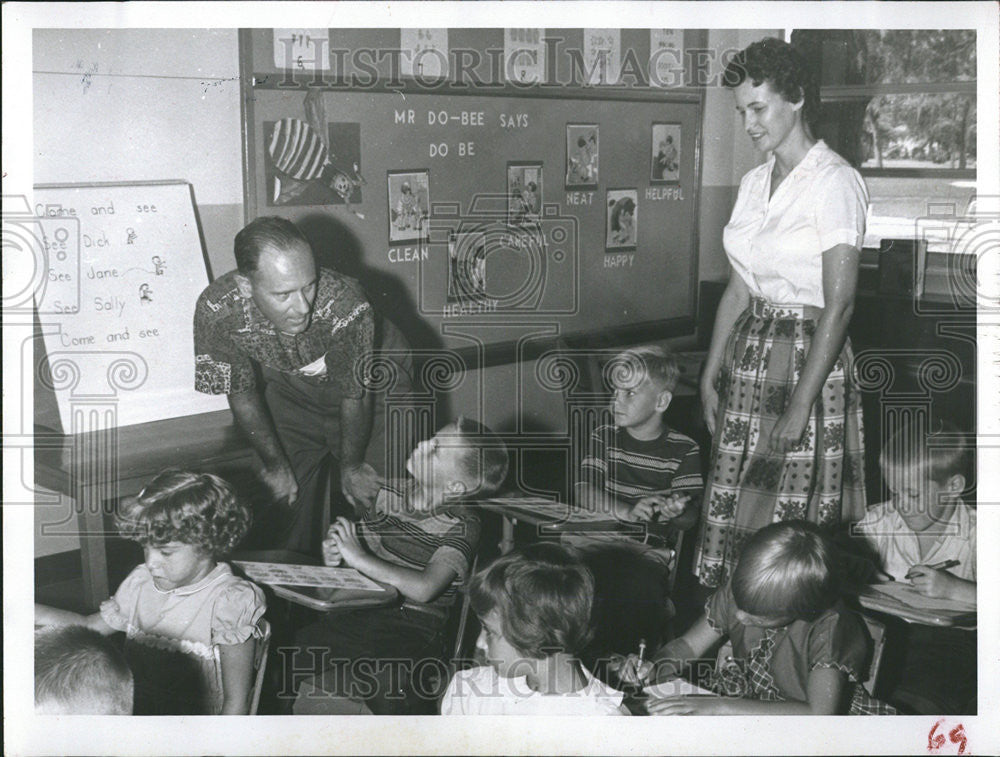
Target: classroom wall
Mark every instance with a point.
(137, 105)
(727, 153)
(142, 105)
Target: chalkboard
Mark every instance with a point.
(476, 267)
(124, 265)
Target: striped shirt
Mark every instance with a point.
(629, 469)
(394, 532)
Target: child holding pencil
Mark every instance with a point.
(797, 650)
(926, 535)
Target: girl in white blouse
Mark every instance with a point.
(777, 388)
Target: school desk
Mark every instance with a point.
(676, 687)
(322, 599)
(99, 468)
(930, 612)
(552, 518)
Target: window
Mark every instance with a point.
(900, 105)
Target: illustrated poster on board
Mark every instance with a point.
(602, 49)
(302, 169)
(409, 201)
(665, 163)
(467, 267)
(524, 193)
(423, 53)
(524, 55)
(125, 269)
(302, 49)
(622, 219)
(666, 57)
(582, 155)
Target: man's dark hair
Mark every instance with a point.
(262, 233)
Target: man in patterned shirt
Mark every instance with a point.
(308, 333)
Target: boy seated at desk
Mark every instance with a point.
(923, 528)
(420, 538)
(535, 608)
(640, 469)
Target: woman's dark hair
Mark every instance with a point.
(786, 570)
(783, 67)
(543, 595)
(192, 508)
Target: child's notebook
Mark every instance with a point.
(284, 574)
(901, 599)
(906, 594)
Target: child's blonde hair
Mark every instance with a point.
(786, 569)
(199, 509)
(941, 452)
(80, 672)
(651, 361)
(485, 458)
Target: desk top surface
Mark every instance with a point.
(147, 448)
(930, 612)
(559, 516)
(323, 599)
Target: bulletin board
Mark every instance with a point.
(124, 265)
(572, 209)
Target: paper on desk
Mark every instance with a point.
(906, 594)
(678, 687)
(307, 575)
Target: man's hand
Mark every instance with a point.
(360, 485)
(280, 481)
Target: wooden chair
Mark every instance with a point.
(876, 629)
(259, 665)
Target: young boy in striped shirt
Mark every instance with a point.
(638, 468)
(420, 537)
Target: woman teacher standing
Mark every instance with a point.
(777, 389)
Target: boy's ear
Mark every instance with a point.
(955, 484)
(456, 488)
(663, 400)
(245, 286)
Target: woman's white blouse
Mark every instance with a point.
(776, 245)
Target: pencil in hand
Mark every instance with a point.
(944, 565)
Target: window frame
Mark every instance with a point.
(840, 93)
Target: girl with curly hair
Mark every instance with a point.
(777, 388)
(191, 625)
